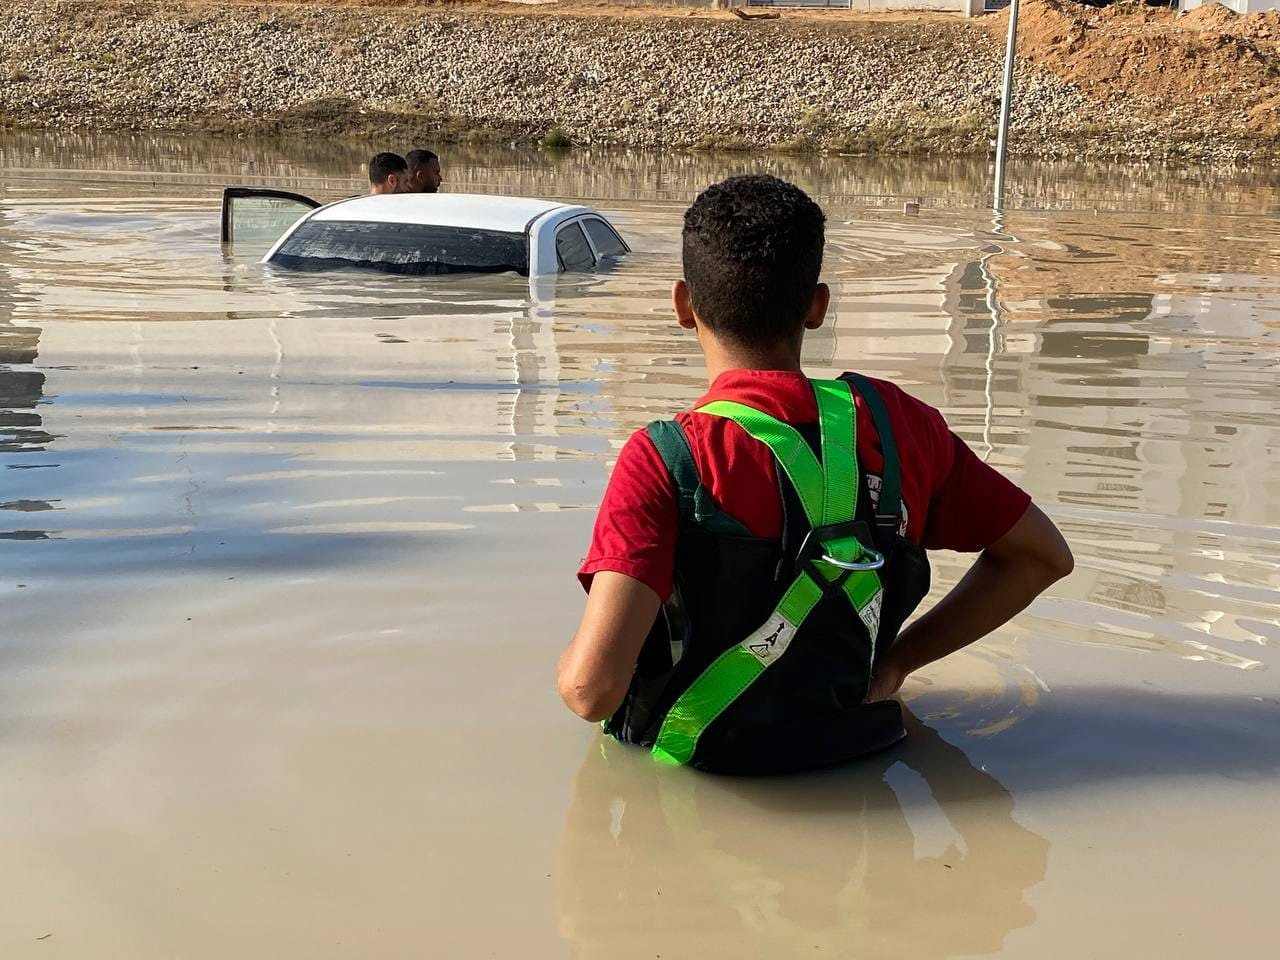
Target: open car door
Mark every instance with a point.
(260, 215)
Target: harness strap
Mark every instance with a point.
(889, 509)
(838, 425)
(694, 501)
(828, 495)
(673, 446)
(788, 446)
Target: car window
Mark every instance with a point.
(573, 250)
(252, 214)
(606, 241)
(412, 248)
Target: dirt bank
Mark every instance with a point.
(1212, 64)
(689, 79)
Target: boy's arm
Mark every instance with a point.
(595, 670)
(1006, 577)
(627, 572)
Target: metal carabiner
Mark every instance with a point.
(875, 564)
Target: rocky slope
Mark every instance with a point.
(688, 80)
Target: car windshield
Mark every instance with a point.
(417, 249)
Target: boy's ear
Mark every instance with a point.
(683, 305)
(818, 307)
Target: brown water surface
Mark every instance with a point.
(286, 561)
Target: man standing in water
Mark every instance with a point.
(388, 173)
(781, 527)
(425, 175)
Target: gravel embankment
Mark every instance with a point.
(927, 86)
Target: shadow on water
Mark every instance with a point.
(1107, 735)
(828, 862)
(239, 550)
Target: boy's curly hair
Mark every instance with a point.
(752, 255)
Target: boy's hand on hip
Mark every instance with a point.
(886, 681)
(1008, 575)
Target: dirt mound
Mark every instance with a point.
(1206, 66)
(1263, 25)
(1208, 16)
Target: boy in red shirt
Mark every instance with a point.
(780, 527)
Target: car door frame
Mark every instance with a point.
(600, 255)
(543, 257)
(240, 193)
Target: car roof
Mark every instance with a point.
(474, 210)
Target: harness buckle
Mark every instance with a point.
(813, 547)
(886, 527)
(875, 563)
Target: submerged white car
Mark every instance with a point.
(422, 234)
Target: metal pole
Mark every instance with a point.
(1006, 99)
(993, 308)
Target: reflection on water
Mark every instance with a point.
(328, 168)
(728, 864)
(259, 530)
(21, 386)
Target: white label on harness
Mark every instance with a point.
(870, 614)
(771, 640)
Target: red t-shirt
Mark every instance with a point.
(951, 499)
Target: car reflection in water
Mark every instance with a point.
(22, 430)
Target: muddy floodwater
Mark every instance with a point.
(286, 562)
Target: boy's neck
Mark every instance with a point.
(723, 357)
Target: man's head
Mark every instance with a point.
(388, 173)
(752, 255)
(424, 171)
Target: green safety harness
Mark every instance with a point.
(831, 558)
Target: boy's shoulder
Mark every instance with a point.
(788, 396)
(918, 427)
(906, 407)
